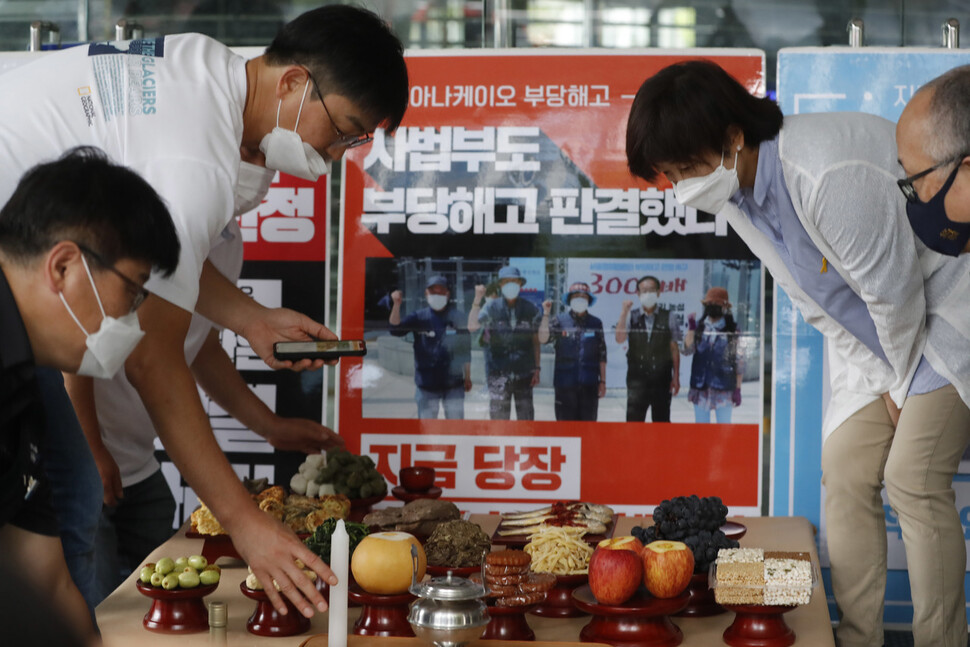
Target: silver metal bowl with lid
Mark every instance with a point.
(449, 610)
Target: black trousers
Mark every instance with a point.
(642, 395)
(577, 402)
(502, 389)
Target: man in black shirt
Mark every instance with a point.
(653, 358)
(78, 239)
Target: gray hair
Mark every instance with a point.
(948, 121)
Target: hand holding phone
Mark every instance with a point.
(322, 349)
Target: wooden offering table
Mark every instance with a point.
(120, 616)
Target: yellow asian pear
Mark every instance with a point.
(382, 564)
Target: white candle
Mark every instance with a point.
(339, 564)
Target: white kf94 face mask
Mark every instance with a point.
(579, 305)
(709, 193)
(649, 299)
(285, 151)
(511, 290)
(109, 347)
(437, 301)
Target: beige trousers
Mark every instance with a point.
(917, 461)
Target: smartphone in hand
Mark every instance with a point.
(322, 349)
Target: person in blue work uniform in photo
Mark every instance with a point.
(653, 356)
(717, 367)
(442, 350)
(579, 377)
(511, 325)
(480, 337)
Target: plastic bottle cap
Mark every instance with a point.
(218, 614)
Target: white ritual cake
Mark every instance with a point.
(752, 576)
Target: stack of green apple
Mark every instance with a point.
(181, 573)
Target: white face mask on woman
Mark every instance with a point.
(709, 193)
(109, 347)
(285, 151)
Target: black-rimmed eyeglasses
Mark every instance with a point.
(343, 139)
(139, 291)
(906, 185)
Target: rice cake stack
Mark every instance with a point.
(750, 576)
(788, 578)
(740, 576)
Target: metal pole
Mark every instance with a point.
(951, 33)
(501, 23)
(855, 29)
(589, 10)
(37, 29)
(83, 13)
(128, 30)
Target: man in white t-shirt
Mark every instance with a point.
(182, 111)
(138, 503)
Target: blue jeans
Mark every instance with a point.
(76, 490)
(722, 414)
(129, 531)
(453, 400)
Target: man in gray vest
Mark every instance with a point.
(652, 357)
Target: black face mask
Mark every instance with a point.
(714, 311)
(932, 226)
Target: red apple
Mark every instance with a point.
(614, 575)
(627, 542)
(667, 567)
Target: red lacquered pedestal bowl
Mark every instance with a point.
(381, 615)
(758, 625)
(267, 621)
(701, 603)
(508, 623)
(360, 507)
(176, 611)
(559, 599)
(407, 496)
(454, 571)
(642, 621)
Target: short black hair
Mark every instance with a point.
(352, 52)
(684, 111)
(648, 277)
(86, 198)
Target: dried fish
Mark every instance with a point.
(592, 526)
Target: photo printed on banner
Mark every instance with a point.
(514, 281)
(426, 350)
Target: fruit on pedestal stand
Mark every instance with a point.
(614, 574)
(626, 542)
(381, 563)
(667, 567)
